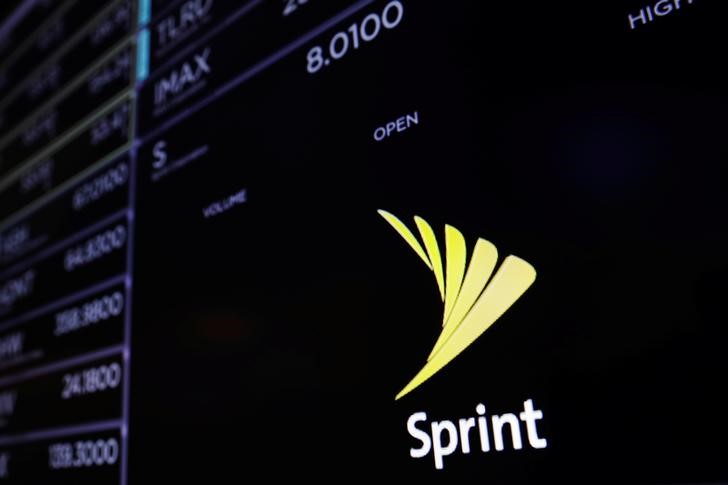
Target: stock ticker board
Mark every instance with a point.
(439, 242)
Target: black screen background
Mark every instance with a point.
(268, 342)
(273, 338)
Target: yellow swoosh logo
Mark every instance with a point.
(473, 301)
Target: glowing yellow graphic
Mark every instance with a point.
(471, 303)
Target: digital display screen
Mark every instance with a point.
(440, 242)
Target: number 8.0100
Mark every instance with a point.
(365, 31)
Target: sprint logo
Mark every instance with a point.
(471, 307)
(473, 301)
